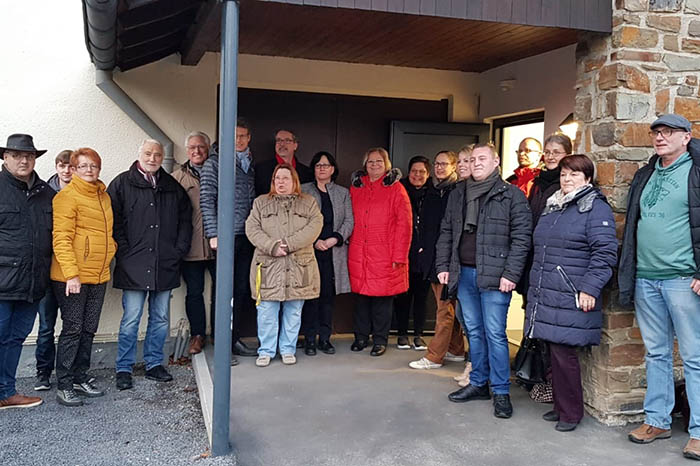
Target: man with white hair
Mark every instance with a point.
(153, 231)
(200, 257)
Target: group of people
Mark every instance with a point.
(453, 226)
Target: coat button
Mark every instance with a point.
(148, 287)
(156, 226)
(151, 204)
(150, 249)
(148, 271)
(151, 226)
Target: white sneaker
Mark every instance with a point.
(262, 361)
(453, 357)
(289, 359)
(424, 363)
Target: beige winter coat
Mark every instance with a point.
(199, 250)
(296, 220)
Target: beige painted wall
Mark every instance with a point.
(47, 89)
(544, 81)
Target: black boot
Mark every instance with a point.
(502, 407)
(310, 347)
(470, 392)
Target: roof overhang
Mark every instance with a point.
(464, 35)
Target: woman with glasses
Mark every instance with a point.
(378, 252)
(283, 226)
(330, 249)
(83, 249)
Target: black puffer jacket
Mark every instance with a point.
(503, 236)
(26, 221)
(153, 230)
(628, 256)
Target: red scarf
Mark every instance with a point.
(524, 178)
(280, 161)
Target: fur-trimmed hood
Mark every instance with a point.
(391, 177)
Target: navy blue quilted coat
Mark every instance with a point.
(575, 250)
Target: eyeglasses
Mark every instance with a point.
(284, 141)
(85, 166)
(557, 153)
(665, 132)
(199, 146)
(528, 151)
(22, 155)
(323, 166)
(442, 164)
(375, 162)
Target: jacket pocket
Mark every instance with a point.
(303, 269)
(569, 284)
(10, 217)
(9, 273)
(268, 279)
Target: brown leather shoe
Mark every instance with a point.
(647, 434)
(20, 401)
(692, 449)
(196, 344)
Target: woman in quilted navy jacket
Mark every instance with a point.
(575, 250)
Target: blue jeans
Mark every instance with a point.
(16, 321)
(45, 343)
(665, 306)
(484, 313)
(268, 326)
(156, 333)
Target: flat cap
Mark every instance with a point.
(672, 121)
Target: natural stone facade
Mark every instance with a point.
(649, 65)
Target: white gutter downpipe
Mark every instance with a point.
(105, 82)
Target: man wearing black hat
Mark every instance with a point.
(660, 271)
(25, 257)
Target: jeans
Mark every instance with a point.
(665, 306)
(268, 326)
(80, 314)
(193, 273)
(16, 321)
(45, 343)
(156, 333)
(485, 313)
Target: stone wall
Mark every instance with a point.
(649, 65)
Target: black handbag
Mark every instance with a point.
(531, 361)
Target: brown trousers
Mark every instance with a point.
(448, 333)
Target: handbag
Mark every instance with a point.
(531, 361)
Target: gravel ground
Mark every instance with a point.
(154, 423)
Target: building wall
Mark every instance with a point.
(47, 89)
(543, 82)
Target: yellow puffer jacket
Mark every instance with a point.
(82, 233)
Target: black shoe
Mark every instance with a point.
(159, 374)
(68, 398)
(234, 361)
(419, 344)
(87, 389)
(43, 381)
(551, 416)
(326, 347)
(378, 350)
(124, 381)
(565, 426)
(402, 342)
(502, 407)
(301, 342)
(310, 348)
(241, 349)
(470, 392)
(358, 345)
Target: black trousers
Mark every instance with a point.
(566, 382)
(80, 314)
(373, 315)
(317, 314)
(414, 298)
(242, 301)
(193, 273)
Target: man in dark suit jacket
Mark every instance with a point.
(286, 145)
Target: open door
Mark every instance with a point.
(411, 138)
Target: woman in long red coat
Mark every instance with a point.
(378, 252)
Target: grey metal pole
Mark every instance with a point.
(228, 103)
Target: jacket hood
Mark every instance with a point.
(391, 177)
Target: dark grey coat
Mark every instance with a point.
(628, 256)
(343, 224)
(503, 236)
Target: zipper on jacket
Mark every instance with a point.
(104, 218)
(569, 283)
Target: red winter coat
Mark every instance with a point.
(382, 235)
